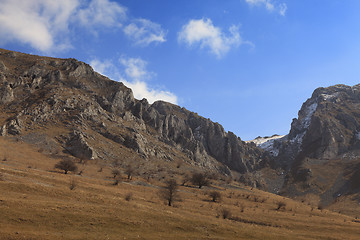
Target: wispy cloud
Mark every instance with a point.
(270, 5)
(44, 24)
(102, 13)
(134, 74)
(144, 32)
(203, 33)
(36, 22)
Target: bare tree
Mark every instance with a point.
(215, 195)
(170, 191)
(115, 172)
(66, 165)
(186, 179)
(129, 171)
(200, 179)
(225, 213)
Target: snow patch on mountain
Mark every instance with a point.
(309, 111)
(268, 143)
(304, 122)
(329, 97)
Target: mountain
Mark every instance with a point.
(321, 153)
(67, 109)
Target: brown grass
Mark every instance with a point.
(37, 203)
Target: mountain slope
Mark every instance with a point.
(321, 152)
(66, 108)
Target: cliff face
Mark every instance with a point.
(320, 154)
(327, 127)
(89, 116)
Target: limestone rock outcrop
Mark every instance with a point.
(66, 94)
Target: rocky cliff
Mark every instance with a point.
(63, 104)
(323, 145)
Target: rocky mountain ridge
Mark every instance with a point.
(321, 153)
(63, 104)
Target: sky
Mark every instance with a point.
(246, 64)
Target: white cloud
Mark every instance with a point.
(135, 77)
(102, 13)
(44, 24)
(102, 67)
(269, 5)
(202, 32)
(135, 68)
(143, 32)
(36, 22)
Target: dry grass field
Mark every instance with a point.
(36, 202)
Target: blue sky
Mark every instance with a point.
(247, 64)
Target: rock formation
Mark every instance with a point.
(323, 143)
(91, 113)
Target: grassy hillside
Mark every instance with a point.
(36, 202)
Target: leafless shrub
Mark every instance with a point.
(169, 193)
(115, 172)
(128, 196)
(215, 196)
(186, 179)
(66, 165)
(320, 207)
(2, 177)
(179, 164)
(100, 169)
(281, 205)
(225, 213)
(200, 179)
(242, 208)
(129, 171)
(73, 184)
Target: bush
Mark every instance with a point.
(320, 207)
(281, 205)
(200, 179)
(129, 171)
(186, 179)
(225, 213)
(128, 196)
(215, 195)
(115, 172)
(73, 184)
(66, 165)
